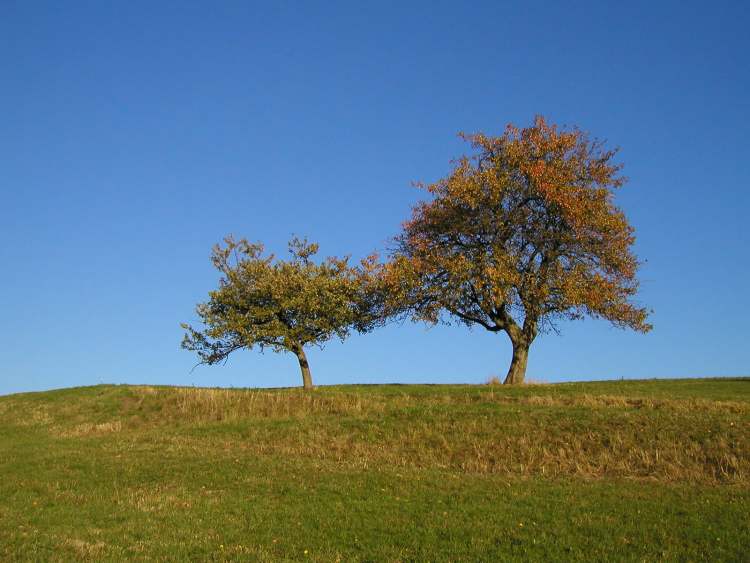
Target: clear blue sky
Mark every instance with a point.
(135, 135)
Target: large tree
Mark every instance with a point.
(277, 304)
(519, 235)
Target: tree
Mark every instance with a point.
(281, 305)
(519, 235)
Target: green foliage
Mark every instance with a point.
(276, 304)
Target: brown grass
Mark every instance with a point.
(158, 498)
(83, 549)
(232, 405)
(592, 436)
(197, 404)
(89, 429)
(545, 433)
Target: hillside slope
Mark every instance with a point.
(605, 470)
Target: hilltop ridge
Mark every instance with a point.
(641, 468)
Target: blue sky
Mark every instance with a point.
(135, 135)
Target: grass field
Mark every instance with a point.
(631, 470)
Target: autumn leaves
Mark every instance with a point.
(519, 235)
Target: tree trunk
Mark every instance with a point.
(517, 370)
(304, 368)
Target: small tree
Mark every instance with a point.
(281, 305)
(518, 236)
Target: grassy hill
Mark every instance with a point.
(628, 470)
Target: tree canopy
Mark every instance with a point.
(521, 234)
(277, 304)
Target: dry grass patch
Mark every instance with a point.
(89, 429)
(35, 416)
(513, 445)
(616, 401)
(551, 432)
(207, 405)
(84, 549)
(546, 434)
(191, 405)
(158, 498)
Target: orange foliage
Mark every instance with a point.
(520, 234)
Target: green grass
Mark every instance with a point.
(631, 470)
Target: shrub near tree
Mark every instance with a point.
(282, 305)
(518, 236)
